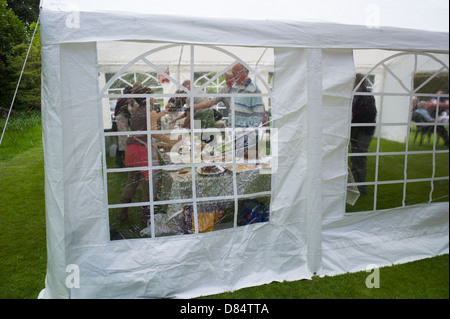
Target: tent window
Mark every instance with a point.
(199, 160)
(401, 156)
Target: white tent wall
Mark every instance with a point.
(384, 238)
(395, 109)
(337, 76)
(286, 24)
(308, 232)
(255, 255)
(83, 184)
(54, 190)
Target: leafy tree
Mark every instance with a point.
(26, 10)
(13, 32)
(14, 41)
(29, 94)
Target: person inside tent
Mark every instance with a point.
(422, 110)
(229, 80)
(440, 108)
(441, 99)
(204, 114)
(136, 153)
(121, 124)
(363, 111)
(248, 112)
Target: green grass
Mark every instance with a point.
(392, 167)
(23, 240)
(22, 133)
(23, 253)
(422, 279)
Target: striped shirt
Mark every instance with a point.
(248, 110)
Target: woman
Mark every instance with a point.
(136, 154)
(122, 118)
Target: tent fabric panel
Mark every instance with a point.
(338, 73)
(113, 55)
(401, 14)
(98, 26)
(385, 238)
(54, 190)
(191, 266)
(314, 186)
(254, 255)
(289, 112)
(82, 148)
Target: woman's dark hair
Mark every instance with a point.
(122, 104)
(142, 90)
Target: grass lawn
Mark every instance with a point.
(23, 240)
(23, 255)
(422, 279)
(392, 168)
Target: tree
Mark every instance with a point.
(29, 96)
(12, 33)
(15, 38)
(26, 10)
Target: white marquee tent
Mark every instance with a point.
(303, 56)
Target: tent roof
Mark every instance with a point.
(381, 24)
(114, 55)
(419, 15)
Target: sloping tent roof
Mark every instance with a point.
(113, 55)
(307, 228)
(405, 25)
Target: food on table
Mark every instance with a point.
(245, 167)
(210, 169)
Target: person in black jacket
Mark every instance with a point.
(363, 111)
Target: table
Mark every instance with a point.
(178, 185)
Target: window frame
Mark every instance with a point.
(411, 92)
(194, 200)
